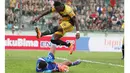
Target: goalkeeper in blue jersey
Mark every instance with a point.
(48, 64)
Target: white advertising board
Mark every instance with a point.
(108, 44)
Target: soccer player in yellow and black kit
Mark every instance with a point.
(123, 44)
(66, 24)
(123, 49)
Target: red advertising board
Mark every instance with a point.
(32, 43)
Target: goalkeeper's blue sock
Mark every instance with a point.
(76, 63)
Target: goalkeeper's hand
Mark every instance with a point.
(63, 68)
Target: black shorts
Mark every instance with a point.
(123, 47)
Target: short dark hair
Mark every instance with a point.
(42, 64)
(57, 3)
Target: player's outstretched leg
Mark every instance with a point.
(69, 63)
(77, 62)
(60, 42)
(47, 32)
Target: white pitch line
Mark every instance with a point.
(88, 61)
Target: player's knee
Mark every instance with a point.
(60, 28)
(56, 37)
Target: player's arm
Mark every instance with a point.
(77, 27)
(45, 12)
(75, 21)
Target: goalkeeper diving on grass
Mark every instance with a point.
(48, 64)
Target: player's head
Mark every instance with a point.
(42, 64)
(58, 6)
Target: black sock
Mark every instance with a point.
(123, 51)
(60, 42)
(50, 31)
(64, 43)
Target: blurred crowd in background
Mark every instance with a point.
(93, 15)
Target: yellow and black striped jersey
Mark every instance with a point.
(67, 14)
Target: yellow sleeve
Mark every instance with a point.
(71, 13)
(53, 9)
(122, 26)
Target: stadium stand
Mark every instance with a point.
(93, 15)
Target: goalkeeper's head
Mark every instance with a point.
(42, 65)
(59, 6)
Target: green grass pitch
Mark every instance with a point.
(25, 61)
